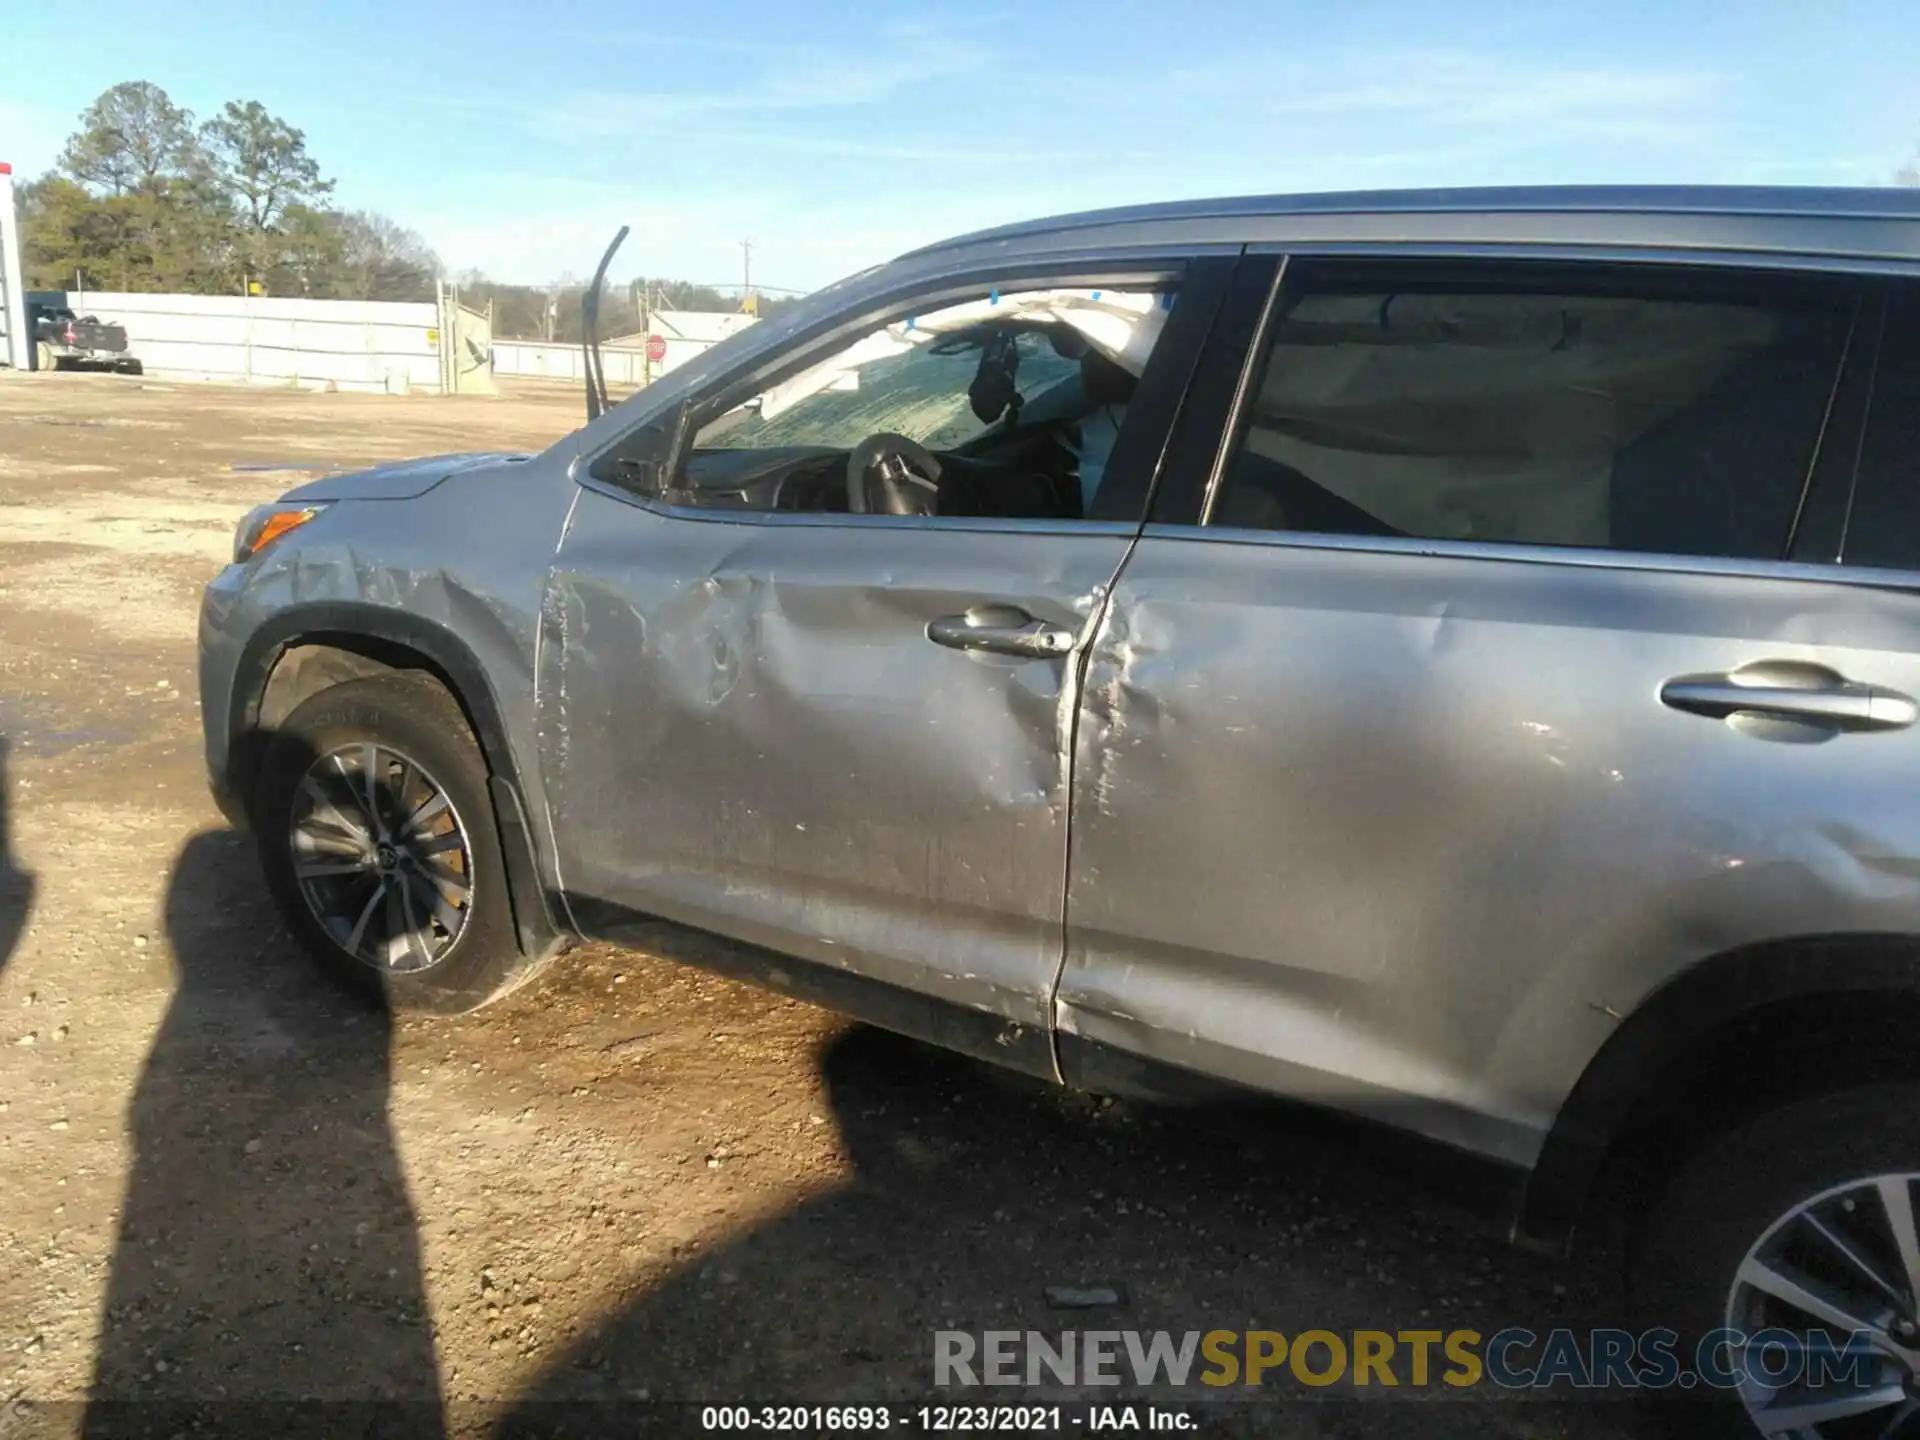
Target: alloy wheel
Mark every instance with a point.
(382, 857)
(1842, 1267)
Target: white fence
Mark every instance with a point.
(687, 334)
(562, 362)
(369, 345)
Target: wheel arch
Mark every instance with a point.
(306, 649)
(1729, 1037)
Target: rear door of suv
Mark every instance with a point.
(1485, 663)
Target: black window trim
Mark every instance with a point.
(1214, 461)
(1214, 382)
(1868, 400)
(1251, 361)
(1827, 502)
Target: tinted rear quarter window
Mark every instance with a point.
(1884, 525)
(1507, 403)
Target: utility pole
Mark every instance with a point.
(645, 289)
(746, 278)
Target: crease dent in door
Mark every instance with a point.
(1111, 704)
(1419, 835)
(807, 660)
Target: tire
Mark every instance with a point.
(415, 730)
(1732, 1202)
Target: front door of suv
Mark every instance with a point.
(775, 725)
(1404, 767)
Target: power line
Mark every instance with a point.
(723, 286)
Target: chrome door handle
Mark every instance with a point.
(1790, 690)
(1001, 630)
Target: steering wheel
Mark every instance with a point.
(888, 474)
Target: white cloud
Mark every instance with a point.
(1419, 90)
(833, 162)
(901, 61)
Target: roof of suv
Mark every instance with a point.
(1862, 224)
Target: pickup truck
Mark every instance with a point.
(64, 341)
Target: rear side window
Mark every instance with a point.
(1884, 527)
(1540, 406)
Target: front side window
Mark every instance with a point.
(1010, 405)
(920, 391)
(1503, 404)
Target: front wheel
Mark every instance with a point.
(377, 836)
(1790, 1249)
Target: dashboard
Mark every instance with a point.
(1024, 476)
(803, 479)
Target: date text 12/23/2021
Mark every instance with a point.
(946, 1419)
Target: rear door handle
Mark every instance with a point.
(1001, 630)
(1792, 690)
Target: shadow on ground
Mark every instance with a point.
(16, 886)
(267, 1253)
(267, 1249)
(974, 1190)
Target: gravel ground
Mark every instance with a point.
(223, 1185)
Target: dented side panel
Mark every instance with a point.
(744, 727)
(1407, 833)
(468, 557)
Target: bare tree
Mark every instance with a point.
(384, 260)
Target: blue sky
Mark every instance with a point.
(834, 139)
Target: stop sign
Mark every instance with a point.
(656, 348)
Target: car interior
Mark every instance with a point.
(1605, 422)
(1007, 417)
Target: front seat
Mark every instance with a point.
(1106, 387)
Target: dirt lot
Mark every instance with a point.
(222, 1183)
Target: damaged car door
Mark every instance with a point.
(1463, 688)
(812, 691)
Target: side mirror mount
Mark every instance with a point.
(643, 477)
(641, 462)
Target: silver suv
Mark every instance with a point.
(1446, 656)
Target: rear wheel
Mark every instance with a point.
(1799, 1228)
(377, 836)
